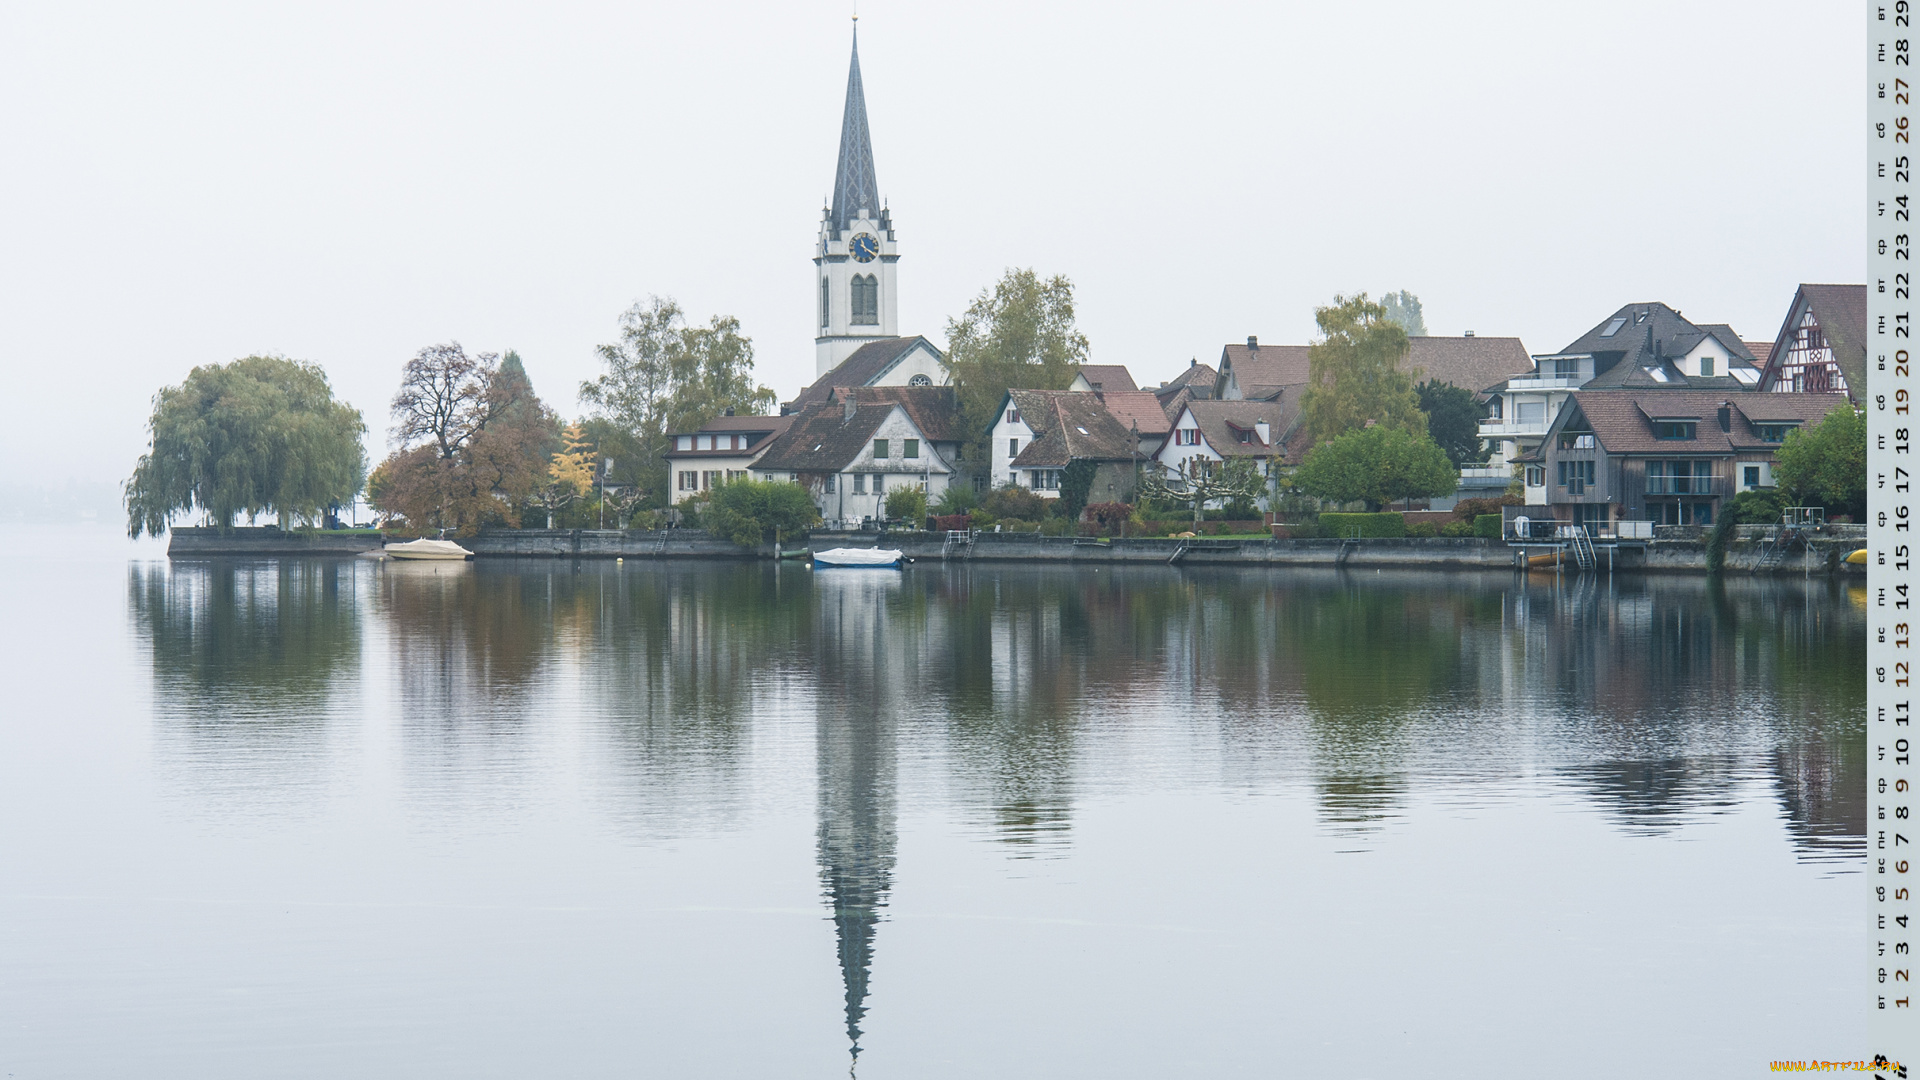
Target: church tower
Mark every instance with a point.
(855, 258)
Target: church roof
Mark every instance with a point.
(861, 367)
(854, 187)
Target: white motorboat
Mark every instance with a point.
(858, 557)
(428, 549)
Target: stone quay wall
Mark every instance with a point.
(192, 543)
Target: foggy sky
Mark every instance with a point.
(347, 182)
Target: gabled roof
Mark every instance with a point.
(1841, 311)
(735, 424)
(933, 409)
(854, 186)
(1107, 377)
(1622, 420)
(1260, 370)
(862, 367)
(1223, 423)
(824, 438)
(1197, 381)
(1078, 426)
(1640, 351)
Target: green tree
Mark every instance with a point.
(664, 376)
(1355, 374)
(1404, 308)
(1020, 335)
(908, 504)
(1826, 465)
(1377, 466)
(752, 511)
(261, 434)
(1453, 419)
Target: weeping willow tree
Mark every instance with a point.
(261, 434)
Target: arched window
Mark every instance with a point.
(866, 300)
(826, 302)
(919, 380)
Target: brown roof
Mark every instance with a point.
(1078, 425)
(1761, 350)
(1137, 407)
(1647, 339)
(862, 366)
(765, 426)
(1108, 376)
(1470, 363)
(1841, 311)
(933, 409)
(1223, 423)
(1622, 420)
(1194, 374)
(824, 439)
(1260, 370)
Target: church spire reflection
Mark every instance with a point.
(857, 758)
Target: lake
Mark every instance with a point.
(535, 818)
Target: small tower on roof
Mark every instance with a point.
(855, 257)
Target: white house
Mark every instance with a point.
(1207, 433)
(850, 454)
(723, 449)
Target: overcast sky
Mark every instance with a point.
(347, 182)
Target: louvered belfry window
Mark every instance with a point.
(866, 300)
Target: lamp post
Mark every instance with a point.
(606, 467)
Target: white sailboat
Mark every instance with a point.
(428, 549)
(857, 557)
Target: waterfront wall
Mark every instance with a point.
(1680, 554)
(267, 540)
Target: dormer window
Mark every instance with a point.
(1706, 367)
(1675, 429)
(1773, 432)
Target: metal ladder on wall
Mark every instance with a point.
(960, 540)
(1348, 546)
(660, 548)
(1778, 548)
(1582, 545)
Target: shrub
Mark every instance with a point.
(750, 511)
(1469, 509)
(1372, 525)
(1487, 525)
(981, 519)
(1108, 516)
(1423, 529)
(1014, 525)
(1305, 530)
(1457, 529)
(950, 523)
(957, 498)
(908, 504)
(1013, 501)
(1056, 526)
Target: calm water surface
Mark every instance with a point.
(344, 818)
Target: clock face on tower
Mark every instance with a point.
(864, 247)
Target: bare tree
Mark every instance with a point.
(446, 397)
(1199, 481)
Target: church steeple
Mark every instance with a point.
(854, 188)
(855, 257)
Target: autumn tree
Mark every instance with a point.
(471, 439)
(663, 376)
(262, 434)
(1020, 334)
(1355, 373)
(569, 473)
(1377, 465)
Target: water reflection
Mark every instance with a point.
(1020, 693)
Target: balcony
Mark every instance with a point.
(1512, 429)
(1689, 485)
(1544, 382)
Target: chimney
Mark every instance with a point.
(1193, 361)
(1469, 333)
(1726, 416)
(1253, 342)
(1262, 429)
(729, 410)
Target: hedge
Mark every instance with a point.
(1374, 525)
(1487, 525)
